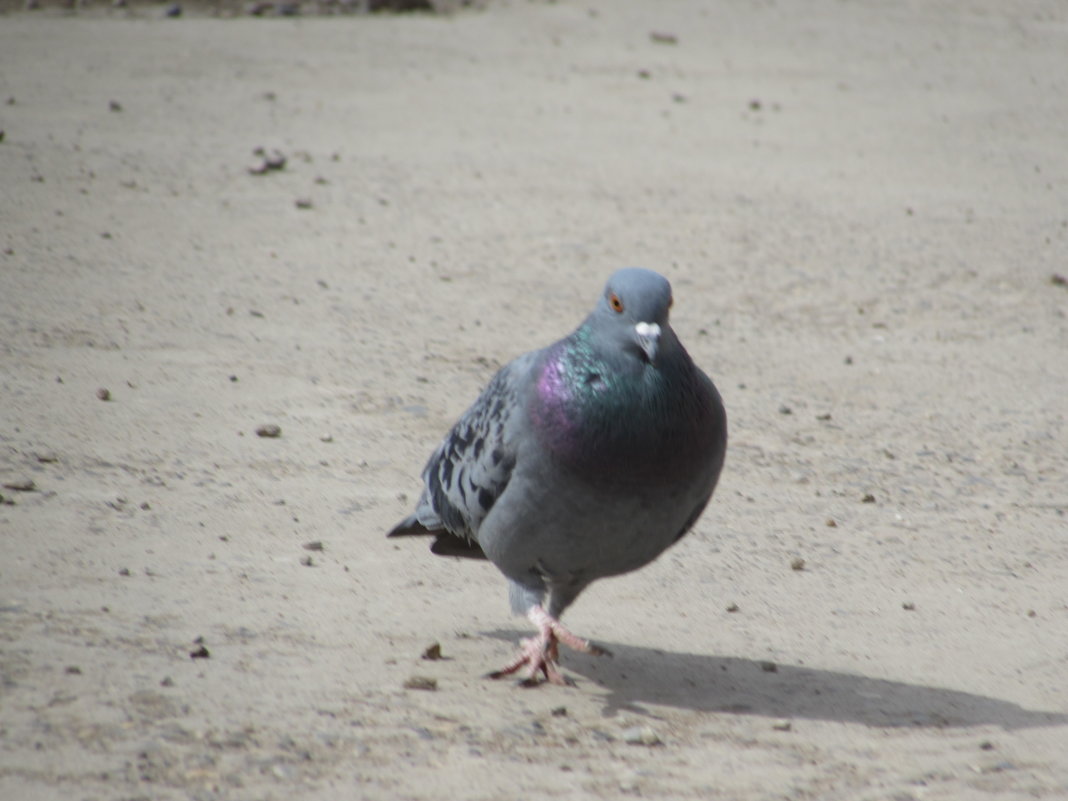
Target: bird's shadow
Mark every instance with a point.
(732, 685)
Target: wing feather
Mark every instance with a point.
(470, 469)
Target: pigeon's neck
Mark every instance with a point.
(592, 409)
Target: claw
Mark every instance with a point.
(540, 654)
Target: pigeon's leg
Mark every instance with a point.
(540, 654)
(540, 618)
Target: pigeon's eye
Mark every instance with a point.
(615, 303)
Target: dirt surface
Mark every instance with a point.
(863, 208)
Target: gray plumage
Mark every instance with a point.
(583, 460)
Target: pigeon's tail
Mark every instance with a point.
(445, 542)
(409, 527)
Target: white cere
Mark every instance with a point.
(647, 329)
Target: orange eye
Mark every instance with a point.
(615, 303)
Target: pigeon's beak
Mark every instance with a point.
(648, 336)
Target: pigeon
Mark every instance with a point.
(583, 460)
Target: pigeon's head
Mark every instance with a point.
(633, 312)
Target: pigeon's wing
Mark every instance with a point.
(471, 468)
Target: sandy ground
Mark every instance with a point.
(862, 207)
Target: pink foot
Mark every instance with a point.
(541, 653)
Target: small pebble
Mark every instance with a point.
(783, 725)
(797, 563)
(22, 485)
(274, 159)
(201, 652)
(997, 767)
(103, 394)
(114, 105)
(268, 161)
(908, 606)
(269, 430)
(280, 771)
(432, 652)
(420, 683)
(733, 607)
(166, 681)
(307, 561)
(72, 670)
(559, 712)
(124, 571)
(641, 735)
(303, 203)
(769, 667)
(831, 523)
(314, 545)
(868, 498)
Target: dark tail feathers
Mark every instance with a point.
(445, 542)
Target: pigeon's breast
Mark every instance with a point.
(641, 425)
